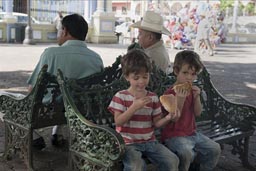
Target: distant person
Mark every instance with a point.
(58, 25)
(220, 32)
(203, 35)
(73, 57)
(151, 29)
(181, 136)
(136, 113)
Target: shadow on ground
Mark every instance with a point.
(235, 81)
(14, 81)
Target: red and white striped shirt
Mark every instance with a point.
(140, 127)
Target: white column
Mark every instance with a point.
(155, 5)
(100, 6)
(143, 7)
(233, 28)
(28, 30)
(133, 9)
(109, 6)
(10, 21)
(87, 10)
(103, 24)
(9, 10)
(9, 5)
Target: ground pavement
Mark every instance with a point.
(232, 71)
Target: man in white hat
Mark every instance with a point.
(151, 29)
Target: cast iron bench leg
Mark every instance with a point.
(245, 160)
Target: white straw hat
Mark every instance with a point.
(152, 22)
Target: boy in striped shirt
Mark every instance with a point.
(136, 113)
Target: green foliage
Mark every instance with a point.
(240, 8)
(250, 7)
(224, 4)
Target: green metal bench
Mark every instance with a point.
(93, 143)
(24, 115)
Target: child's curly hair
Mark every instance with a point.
(187, 57)
(135, 61)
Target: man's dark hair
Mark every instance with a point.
(76, 26)
(187, 57)
(135, 61)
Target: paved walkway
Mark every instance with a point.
(232, 70)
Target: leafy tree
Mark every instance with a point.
(250, 7)
(224, 4)
(240, 8)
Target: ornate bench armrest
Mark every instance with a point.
(243, 115)
(219, 108)
(16, 109)
(31, 109)
(224, 111)
(92, 146)
(99, 146)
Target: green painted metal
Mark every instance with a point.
(22, 116)
(86, 102)
(93, 142)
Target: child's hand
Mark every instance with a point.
(183, 89)
(196, 91)
(176, 115)
(139, 103)
(173, 116)
(182, 92)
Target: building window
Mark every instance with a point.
(124, 10)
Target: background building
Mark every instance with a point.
(102, 14)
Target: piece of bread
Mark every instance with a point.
(169, 102)
(187, 86)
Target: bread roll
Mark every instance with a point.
(169, 102)
(187, 86)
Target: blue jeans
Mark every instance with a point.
(186, 148)
(157, 153)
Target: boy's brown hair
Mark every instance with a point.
(187, 57)
(135, 61)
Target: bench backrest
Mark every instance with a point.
(31, 111)
(92, 95)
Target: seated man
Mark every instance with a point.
(151, 29)
(73, 57)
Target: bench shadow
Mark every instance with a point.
(14, 81)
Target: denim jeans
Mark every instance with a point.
(186, 148)
(157, 153)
